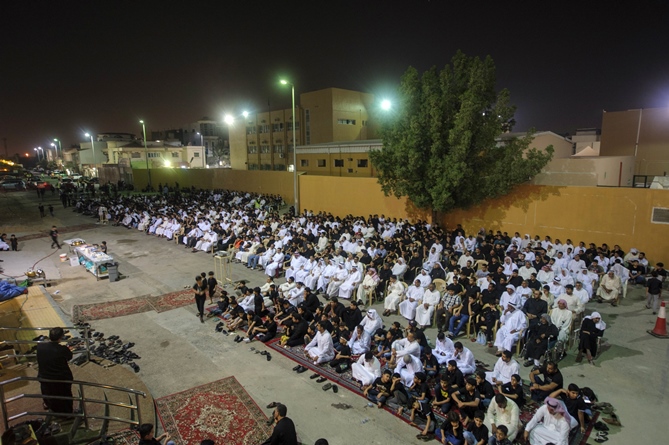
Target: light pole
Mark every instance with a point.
(146, 152)
(93, 147)
(292, 88)
(37, 151)
(59, 146)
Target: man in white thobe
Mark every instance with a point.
(562, 317)
(366, 369)
(399, 268)
(426, 306)
(295, 262)
(424, 278)
(405, 346)
(407, 367)
(277, 262)
(505, 367)
(395, 292)
(512, 323)
(509, 296)
(360, 341)
(503, 411)
(573, 302)
(414, 295)
(609, 288)
(296, 294)
(326, 276)
(371, 322)
(337, 280)
(351, 283)
(443, 349)
(550, 424)
(464, 358)
(320, 349)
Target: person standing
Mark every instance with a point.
(54, 237)
(284, 429)
(211, 284)
(200, 288)
(41, 210)
(52, 360)
(51, 210)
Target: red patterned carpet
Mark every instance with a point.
(222, 411)
(137, 305)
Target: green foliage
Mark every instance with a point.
(442, 148)
(221, 150)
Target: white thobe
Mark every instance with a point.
(360, 345)
(336, 281)
(444, 350)
(466, 361)
(507, 298)
(614, 284)
(296, 295)
(371, 322)
(326, 276)
(404, 347)
(545, 276)
(351, 283)
(408, 370)
(424, 279)
(277, 261)
(366, 372)
(295, 264)
(503, 371)
(398, 269)
(509, 417)
(583, 295)
(546, 428)
(395, 292)
(367, 286)
(321, 346)
(562, 318)
(423, 313)
(574, 303)
(408, 306)
(511, 321)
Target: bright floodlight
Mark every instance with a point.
(385, 104)
(283, 82)
(53, 145)
(228, 119)
(167, 163)
(245, 114)
(87, 135)
(141, 122)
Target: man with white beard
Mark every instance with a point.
(414, 295)
(351, 283)
(337, 280)
(426, 306)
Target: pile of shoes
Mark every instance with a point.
(110, 348)
(609, 417)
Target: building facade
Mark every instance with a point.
(263, 141)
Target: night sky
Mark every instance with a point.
(97, 66)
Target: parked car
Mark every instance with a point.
(12, 184)
(75, 177)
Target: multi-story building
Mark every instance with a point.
(205, 132)
(263, 141)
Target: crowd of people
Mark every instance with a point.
(499, 289)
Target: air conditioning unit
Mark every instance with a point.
(281, 155)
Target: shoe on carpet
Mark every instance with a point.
(314, 376)
(302, 369)
(321, 380)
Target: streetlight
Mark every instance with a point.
(59, 146)
(55, 148)
(37, 151)
(386, 105)
(229, 119)
(146, 152)
(292, 88)
(245, 114)
(93, 147)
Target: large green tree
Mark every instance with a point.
(442, 143)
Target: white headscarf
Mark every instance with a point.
(600, 325)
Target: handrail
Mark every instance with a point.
(81, 399)
(85, 328)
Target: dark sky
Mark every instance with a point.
(70, 66)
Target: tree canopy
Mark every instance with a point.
(442, 145)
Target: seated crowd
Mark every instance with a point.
(504, 291)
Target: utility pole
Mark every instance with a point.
(4, 141)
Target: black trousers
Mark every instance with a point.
(199, 302)
(58, 389)
(54, 240)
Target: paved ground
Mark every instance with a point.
(179, 352)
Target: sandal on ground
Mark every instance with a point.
(272, 405)
(327, 386)
(321, 380)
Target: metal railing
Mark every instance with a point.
(84, 410)
(86, 342)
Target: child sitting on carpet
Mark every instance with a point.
(146, 436)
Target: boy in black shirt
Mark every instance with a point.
(514, 390)
(379, 391)
(477, 433)
(54, 237)
(430, 363)
(442, 396)
(574, 402)
(484, 388)
(468, 400)
(211, 285)
(342, 360)
(653, 292)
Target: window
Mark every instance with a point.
(304, 163)
(307, 122)
(362, 163)
(176, 154)
(350, 170)
(252, 149)
(278, 149)
(154, 155)
(264, 149)
(251, 129)
(267, 166)
(339, 162)
(136, 155)
(322, 163)
(253, 166)
(196, 154)
(277, 127)
(297, 126)
(346, 121)
(364, 123)
(279, 167)
(263, 128)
